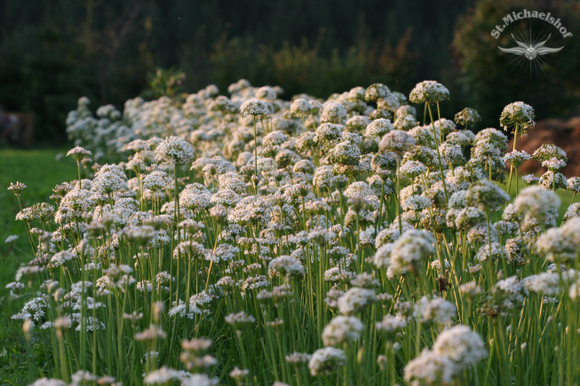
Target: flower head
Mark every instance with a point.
(519, 116)
(342, 329)
(461, 345)
(254, 107)
(429, 91)
(467, 117)
(174, 150)
(78, 153)
(325, 361)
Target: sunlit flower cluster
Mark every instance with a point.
(249, 240)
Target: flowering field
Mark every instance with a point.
(245, 240)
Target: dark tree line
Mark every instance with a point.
(54, 51)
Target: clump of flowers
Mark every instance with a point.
(271, 242)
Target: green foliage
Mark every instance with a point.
(302, 69)
(164, 83)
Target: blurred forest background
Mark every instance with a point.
(54, 51)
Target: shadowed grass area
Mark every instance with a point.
(40, 171)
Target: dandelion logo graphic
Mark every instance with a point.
(530, 51)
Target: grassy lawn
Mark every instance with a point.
(40, 171)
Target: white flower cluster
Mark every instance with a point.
(429, 91)
(454, 351)
(319, 232)
(518, 115)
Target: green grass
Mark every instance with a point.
(40, 171)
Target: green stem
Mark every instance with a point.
(345, 380)
(437, 148)
(418, 338)
(399, 199)
(62, 357)
(517, 182)
(510, 179)
(79, 173)
(256, 156)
